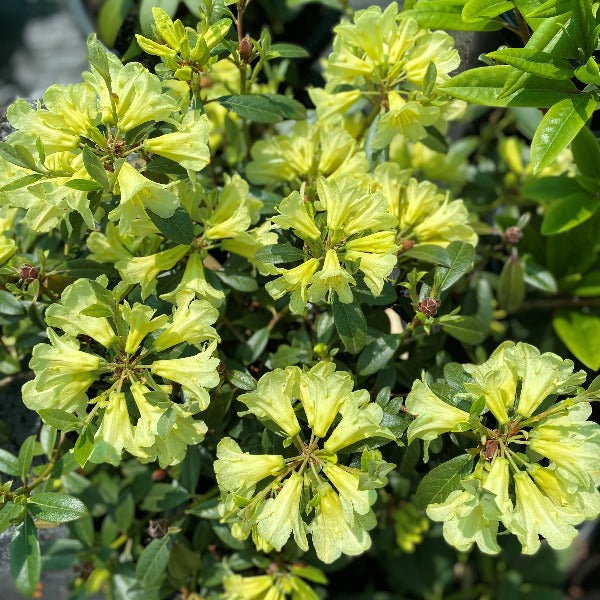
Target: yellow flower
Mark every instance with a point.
(188, 146)
(331, 278)
(295, 281)
(433, 416)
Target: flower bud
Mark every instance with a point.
(29, 273)
(246, 48)
(513, 235)
(429, 307)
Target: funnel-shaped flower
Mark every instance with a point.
(188, 146)
(237, 470)
(140, 321)
(280, 516)
(296, 282)
(433, 416)
(194, 373)
(272, 400)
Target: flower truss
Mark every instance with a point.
(346, 229)
(271, 496)
(537, 460)
(127, 363)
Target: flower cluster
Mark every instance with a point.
(425, 214)
(220, 215)
(389, 61)
(88, 137)
(347, 229)
(537, 470)
(125, 361)
(305, 153)
(184, 51)
(267, 494)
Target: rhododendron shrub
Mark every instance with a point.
(268, 343)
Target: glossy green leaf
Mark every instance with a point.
(488, 9)
(377, 354)
(8, 513)
(447, 14)
(83, 185)
(25, 457)
(93, 165)
(558, 128)
(580, 333)
(111, 16)
(152, 563)
(535, 62)
(461, 256)
(9, 463)
(60, 419)
(22, 182)
(440, 482)
(569, 212)
(279, 254)
(464, 328)
(484, 85)
(25, 559)
(429, 253)
(287, 51)
(56, 508)
(84, 446)
(511, 284)
(586, 152)
(589, 285)
(263, 108)
(177, 228)
(351, 325)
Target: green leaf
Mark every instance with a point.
(163, 496)
(145, 13)
(558, 128)
(589, 285)
(551, 8)
(484, 85)
(478, 9)
(263, 108)
(241, 379)
(9, 304)
(548, 189)
(22, 182)
(242, 282)
(83, 185)
(60, 419)
(461, 256)
(511, 284)
(152, 563)
(586, 152)
(82, 267)
(9, 513)
(178, 228)
(278, 254)
(84, 446)
(377, 354)
(25, 559)
(447, 14)
(429, 253)
(539, 277)
(535, 62)
(111, 16)
(13, 156)
(97, 310)
(93, 165)
(463, 328)
(56, 508)
(26, 456)
(287, 51)
(568, 213)
(9, 463)
(580, 333)
(255, 345)
(351, 325)
(98, 59)
(440, 482)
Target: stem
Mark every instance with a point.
(524, 31)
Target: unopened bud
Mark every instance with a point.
(158, 474)
(429, 307)
(406, 245)
(29, 273)
(513, 235)
(245, 48)
(158, 529)
(321, 350)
